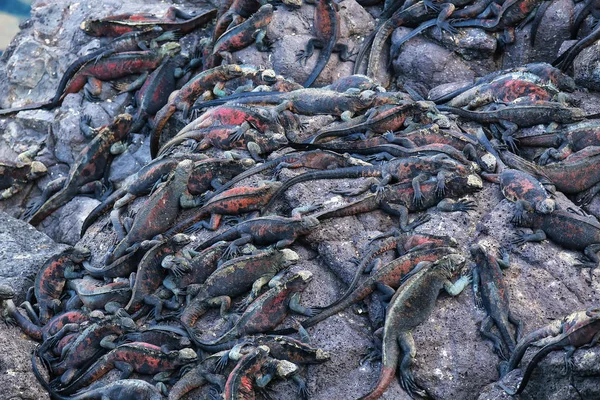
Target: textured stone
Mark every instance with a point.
(24, 250)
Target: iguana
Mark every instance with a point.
(412, 305)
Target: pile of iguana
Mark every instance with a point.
(195, 228)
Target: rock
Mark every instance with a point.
(586, 67)
(549, 381)
(16, 378)
(23, 252)
(421, 61)
(554, 27)
(64, 225)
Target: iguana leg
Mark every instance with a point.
(234, 247)
(591, 252)
(586, 197)
(416, 185)
(355, 191)
(92, 89)
(522, 237)
(568, 367)
(343, 53)
(31, 313)
(517, 323)
(256, 288)
(125, 368)
(133, 86)
(109, 342)
(409, 350)
(304, 55)
(223, 302)
(451, 205)
(485, 330)
(402, 213)
(387, 292)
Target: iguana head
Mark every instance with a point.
(269, 76)
(80, 254)
(300, 279)
(286, 368)
(183, 169)
(121, 126)
(187, 355)
(450, 263)
(37, 169)
(247, 163)
(169, 49)
(474, 182)
(6, 292)
(309, 222)
(232, 70)
(289, 257)
(181, 239)
(128, 324)
(546, 206)
(367, 97)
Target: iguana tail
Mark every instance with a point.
(101, 209)
(544, 351)
(514, 161)
(341, 173)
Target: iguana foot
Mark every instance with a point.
(464, 205)
(373, 355)
(302, 56)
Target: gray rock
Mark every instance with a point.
(586, 67)
(422, 61)
(23, 252)
(16, 378)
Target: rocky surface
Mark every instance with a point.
(453, 361)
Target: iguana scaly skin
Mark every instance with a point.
(327, 30)
(308, 101)
(377, 120)
(569, 139)
(184, 98)
(490, 290)
(402, 243)
(401, 198)
(277, 231)
(158, 212)
(412, 305)
(390, 275)
(234, 278)
(316, 159)
(575, 174)
(582, 335)
(550, 333)
(399, 169)
(91, 343)
(94, 294)
(120, 389)
(268, 310)
(125, 43)
(150, 274)
(139, 357)
(567, 229)
(414, 14)
(89, 166)
(52, 277)
(234, 201)
(250, 31)
(117, 25)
